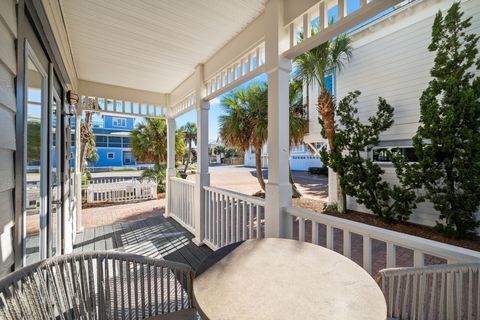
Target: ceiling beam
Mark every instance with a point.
(95, 89)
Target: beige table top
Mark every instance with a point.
(287, 279)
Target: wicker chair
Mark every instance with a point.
(98, 285)
(432, 292)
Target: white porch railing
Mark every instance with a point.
(231, 216)
(121, 191)
(113, 180)
(182, 202)
(306, 225)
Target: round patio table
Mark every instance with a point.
(285, 279)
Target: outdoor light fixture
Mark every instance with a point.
(72, 97)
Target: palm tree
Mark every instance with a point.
(310, 68)
(190, 135)
(298, 124)
(149, 142)
(245, 122)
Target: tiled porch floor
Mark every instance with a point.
(156, 237)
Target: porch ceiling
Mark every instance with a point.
(152, 44)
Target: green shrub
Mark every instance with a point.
(318, 170)
(447, 142)
(360, 177)
(158, 175)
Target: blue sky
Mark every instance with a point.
(215, 111)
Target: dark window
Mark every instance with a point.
(101, 141)
(126, 143)
(383, 154)
(110, 155)
(115, 142)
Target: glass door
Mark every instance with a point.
(55, 205)
(36, 156)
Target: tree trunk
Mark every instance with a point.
(295, 192)
(341, 197)
(84, 137)
(258, 166)
(327, 112)
(188, 156)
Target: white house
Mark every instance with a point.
(399, 77)
(301, 157)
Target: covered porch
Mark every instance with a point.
(114, 63)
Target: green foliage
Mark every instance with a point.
(231, 153)
(88, 151)
(33, 141)
(245, 122)
(189, 131)
(318, 170)
(361, 177)
(149, 142)
(311, 68)
(447, 142)
(218, 150)
(330, 207)
(158, 175)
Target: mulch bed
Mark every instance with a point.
(403, 227)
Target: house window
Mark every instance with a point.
(115, 142)
(126, 143)
(101, 141)
(119, 122)
(383, 154)
(110, 155)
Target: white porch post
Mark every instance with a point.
(78, 172)
(278, 189)
(202, 178)
(171, 172)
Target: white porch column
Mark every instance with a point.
(278, 189)
(78, 172)
(171, 172)
(202, 178)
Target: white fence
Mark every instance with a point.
(125, 191)
(104, 180)
(181, 203)
(369, 244)
(231, 217)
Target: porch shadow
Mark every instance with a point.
(156, 237)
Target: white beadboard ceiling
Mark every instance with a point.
(150, 44)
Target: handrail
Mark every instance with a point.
(238, 195)
(452, 254)
(180, 180)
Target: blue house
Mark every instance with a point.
(112, 137)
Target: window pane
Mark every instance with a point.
(126, 142)
(101, 141)
(33, 206)
(115, 142)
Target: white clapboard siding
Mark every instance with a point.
(393, 62)
(8, 34)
